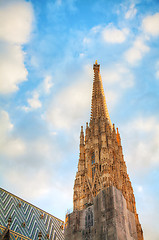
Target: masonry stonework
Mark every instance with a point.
(107, 218)
(102, 185)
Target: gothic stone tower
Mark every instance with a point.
(103, 201)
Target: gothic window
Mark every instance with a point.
(93, 158)
(89, 218)
(93, 172)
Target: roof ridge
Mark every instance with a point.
(31, 204)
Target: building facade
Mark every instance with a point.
(26, 220)
(103, 202)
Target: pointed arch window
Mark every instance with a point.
(89, 218)
(93, 158)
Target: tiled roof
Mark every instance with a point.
(27, 219)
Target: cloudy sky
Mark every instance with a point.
(47, 49)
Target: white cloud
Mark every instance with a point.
(111, 99)
(72, 103)
(63, 191)
(136, 53)
(112, 34)
(150, 24)
(131, 12)
(47, 84)
(116, 78)
(16, 20)
(43, 148)
(14, 147)
(9, 145)
(142, 148)
(32, 185)
(92, 35)
(144, 125)
(34, 102)
(5, 124)
(40, 184)
(43, 88)
(118, 74)
(12, 68)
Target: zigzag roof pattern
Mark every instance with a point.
(27, 219)
(14, 235)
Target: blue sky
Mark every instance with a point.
(47, 49)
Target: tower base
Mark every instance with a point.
(107, 218)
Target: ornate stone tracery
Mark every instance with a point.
(101, 162)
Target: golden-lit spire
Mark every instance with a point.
(99, 107)
(118, 137)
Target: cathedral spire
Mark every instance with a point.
(99, 107)
(102, 180)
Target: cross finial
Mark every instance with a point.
(96, 66)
